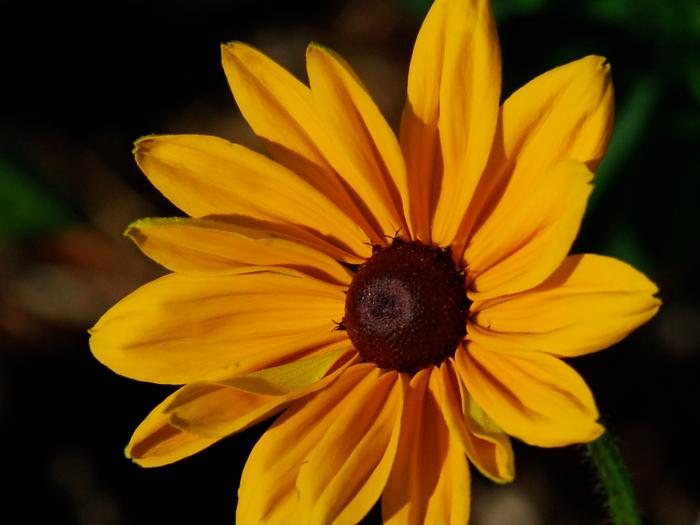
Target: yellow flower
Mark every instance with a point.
(405, 302)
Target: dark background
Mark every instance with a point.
(81, 81)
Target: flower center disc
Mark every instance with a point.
(407, 307)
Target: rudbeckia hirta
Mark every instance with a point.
(403, 303)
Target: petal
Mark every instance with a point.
(346, 472)
(183, 328)
(533, 396)
(459, 93)
(204, 175)
(155, 442)
(281, 111)
(368, 154)
(218, 409)
(588, 304)
(268, 490)
(419, 137)
(527, 236)
(566, 113)
(203, 246)
(487, 446)
(430, 480)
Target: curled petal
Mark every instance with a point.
(156, 442)
(218, 409)
(486, 445)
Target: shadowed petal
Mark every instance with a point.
(184, 328)
(346, 472)
(205, 175)
(533, 396)
(156, 443)
(565, 113)
(486, 445)
(199, 246)
(451, 112)
(218, 409)
(360, 410)
(588, 304)
(281, 111)
(527, 237)
(370, 160)
(430, 480)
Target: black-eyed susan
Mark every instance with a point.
(405, 302)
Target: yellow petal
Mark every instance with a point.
(218, 409)
(281, 111)
(467, 112)
(267, 493)
(419, 132)
(487, 447)
(526, 238)
(155, 442)
(346, 472)
(367, 156)
(566, 113)
(533, 396)
(203, 246)
(430, 480)
(588, 304)
(204, 175)
(183, 328)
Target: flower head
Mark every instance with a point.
(405, 304)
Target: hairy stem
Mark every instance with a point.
(613, 474)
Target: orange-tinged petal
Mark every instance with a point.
(430, 480)
(368, 154)
(419, 131)
(526, 238)
(205, 175)
(346, 472)
(487, 447)
(470, 89)
(588, 304)
(281, 111)
(533, 396)
(218, 409)
(268, 493)
(184, 328)
(566, 113)
(156, 443)
(200, 246)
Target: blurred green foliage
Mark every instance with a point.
(26, 208)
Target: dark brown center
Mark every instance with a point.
(407, 307)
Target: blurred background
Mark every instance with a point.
(81, 81)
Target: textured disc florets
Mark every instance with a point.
(407, 307)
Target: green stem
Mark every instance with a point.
(613, 473)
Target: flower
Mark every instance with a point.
(405, 304)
